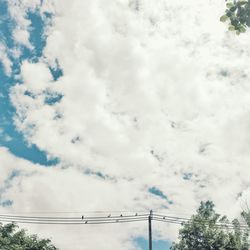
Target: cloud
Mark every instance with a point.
(45, 191)
(5, 61)
(18, 12)
(150, 93)
(42, 73)
(21, 36)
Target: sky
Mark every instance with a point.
(122, 105)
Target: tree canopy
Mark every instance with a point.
(238, 15)
(203, 232)
(13, 239)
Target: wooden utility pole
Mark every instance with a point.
(150, 230)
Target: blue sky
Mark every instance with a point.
(10, 137)
(122, 105)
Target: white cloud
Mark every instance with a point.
(18, 10)
(22, 36)
(42, 73)
(4, 59)
(151, 91)
(46, 190)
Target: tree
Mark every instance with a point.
(13, 239)
(246, 216)
(203, 233)
(238, 15)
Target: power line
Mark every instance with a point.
(181, 221)
(72, 218)
(72, 223)
(221, 226)
(82, 212)
(114, 219)
(109, 219)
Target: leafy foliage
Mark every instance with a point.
(238, 15)
(10, 239)
(246, 216)
(203, 232)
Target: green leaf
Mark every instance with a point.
(12, 239)
(248, 22)
(229, 13)
(231, 28)
(233, 8)
(230, 5)
(240, 3)
(202, 232)
(223, 18)
(242, 29)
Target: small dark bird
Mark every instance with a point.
(136, 214)
(121, 215)
(109, 215)
(164, 217)
(82, 217)
(86, 222)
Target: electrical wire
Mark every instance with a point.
(187, 220)
(82, 212)
(71, 218)
(72, 223)
(226, 227)
(74, 220)
(179, 221)
(110, 219)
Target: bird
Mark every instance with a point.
(86, 222)
(121, 215)
(82, 217)
(136, 214)
(109, 215)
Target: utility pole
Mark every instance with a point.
(150, 230)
